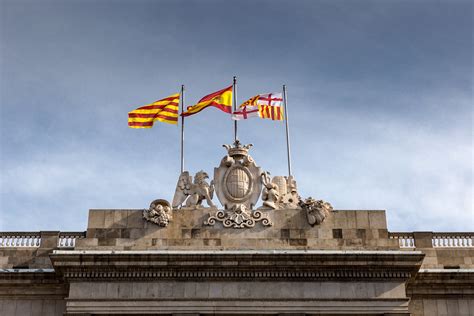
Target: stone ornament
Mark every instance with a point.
(280, 192)
(316, 210)
(270, 193)
(193, 192)
(237, 179)
(238, 217)
(158, 213)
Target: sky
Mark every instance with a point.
(380, 103)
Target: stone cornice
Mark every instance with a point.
(31, 284)
(434, 283)
(266, 265)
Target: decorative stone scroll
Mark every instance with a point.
(238, 217)
(158, 213)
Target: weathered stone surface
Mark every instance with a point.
(189, 223)
(129, 265)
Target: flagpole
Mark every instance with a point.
(287, 131)
(182, 128)
(234, 103)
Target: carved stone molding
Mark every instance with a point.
(270, 265)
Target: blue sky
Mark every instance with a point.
(380, 99)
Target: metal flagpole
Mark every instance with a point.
(287, 131)
(234, 102)
(182, 128)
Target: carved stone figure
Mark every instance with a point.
(158, 213)
(290, 199)
(237, 179)
(270, 193)
(280, 192)
(316, 210)
(193, 192)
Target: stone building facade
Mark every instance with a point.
(350, 264)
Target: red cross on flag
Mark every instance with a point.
(246, 112)
(268, 105)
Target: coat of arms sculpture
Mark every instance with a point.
(237, 179)
(238, 183)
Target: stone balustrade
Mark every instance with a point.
(68, 239)
(20, 239)
(36, 239)
(405, 240)
(434, 239)
(453, 240)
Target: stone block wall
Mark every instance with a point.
(34, 257)
(127, 230)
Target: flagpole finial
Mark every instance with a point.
(235, 79)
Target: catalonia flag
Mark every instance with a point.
(164, 110)
(221, 99)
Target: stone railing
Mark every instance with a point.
(453, 240)
(433, 239)
(68, 239)
(405, 240)
(20, 239)
(40, 239)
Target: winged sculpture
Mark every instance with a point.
(193, 192)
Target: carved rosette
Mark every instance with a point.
(237, 179)
(238, 217)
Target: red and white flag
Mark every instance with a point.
(246, 112)
(268, 105)
(272, 99)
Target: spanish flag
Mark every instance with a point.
(164, 110)
(221, 99)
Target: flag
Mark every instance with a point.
(246, 112)
(164, 110)
(271, 112)
(221, 99)
(273, 99)
(269, 105)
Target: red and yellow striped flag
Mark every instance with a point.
(221, 99)
(270, 112)
(164, 110)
